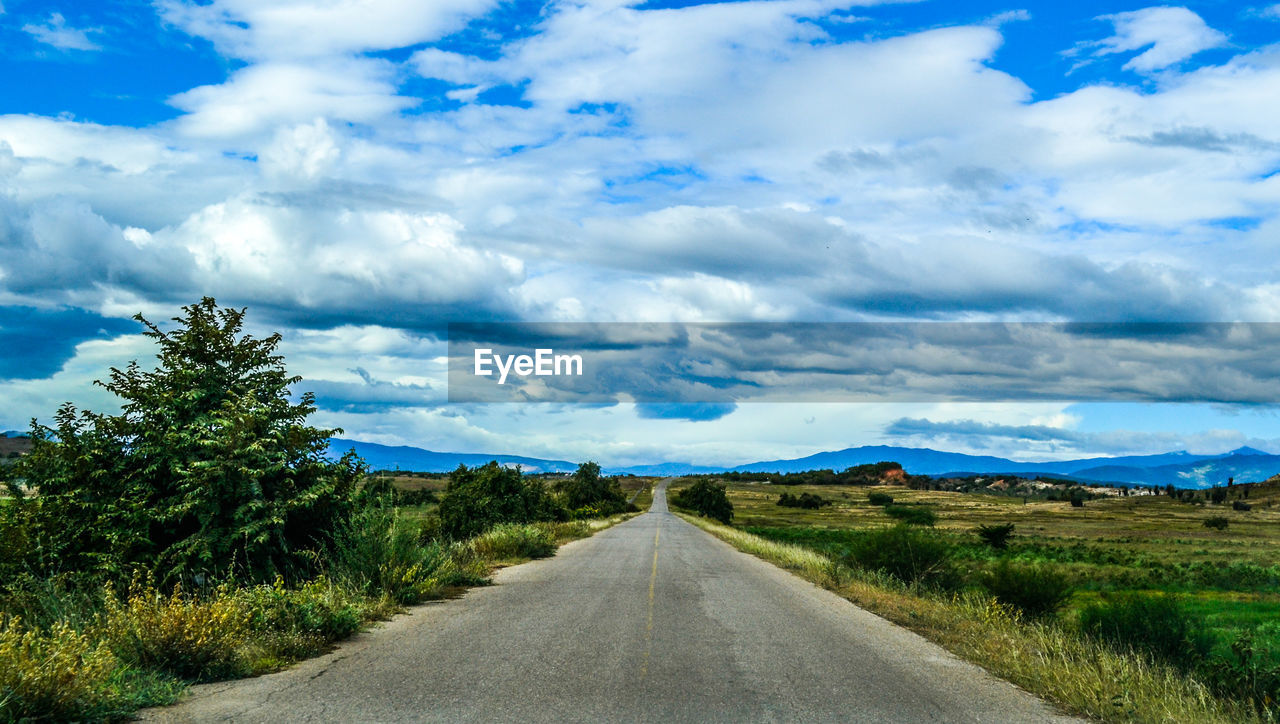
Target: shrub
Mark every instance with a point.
(808, 501)
(996, 536)
(1037, 590)
(1241, 506)
(290, 624)
(1149, 623)
(1249, 671)
(908, 554)
(480, 498)
(913, 515)
(589, 494)
(192, 638)
(511, 540)
(1216, 522)
(381, 487)
(58, 675)
(378, 553)
(880, 499)
(706, 499)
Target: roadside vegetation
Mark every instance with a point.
(1129, 608)
(205, 533)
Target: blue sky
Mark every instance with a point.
(359, 174)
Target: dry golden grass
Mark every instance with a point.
(60, 673)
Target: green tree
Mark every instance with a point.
(706, 499)
(586, 489)
(479, 498)
(209, 466)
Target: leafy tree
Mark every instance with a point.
(586, 489)
(479, 498)
(706, 499)
(209, 466)
(808, 501)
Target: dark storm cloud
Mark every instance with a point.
(34, 343)
(695, 412)
(53, 249)
(797, 362)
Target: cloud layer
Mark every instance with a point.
(395, 165)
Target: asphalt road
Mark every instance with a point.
(651, 620)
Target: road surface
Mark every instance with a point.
(651, 620)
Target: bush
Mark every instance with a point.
(996, 536)
(908, 554)
(378, 553)
(480, 498)
(1249, 671)
(913, 515)
(58, 675)
(1217, 522)
(1149, 623)
(589, 495)
(192, 638)
(380, 487)
(880, 499)
(510, 540)
(290, 624)
(1241, 506)
(705, 499)
(1037, 590)
(808, 501)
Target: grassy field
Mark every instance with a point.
(1227, 579)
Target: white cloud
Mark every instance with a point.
(259, 98)
(350, 263)
(295, 29)
(724, 161)
(1169, 34)
(302, 152)
(55, 32)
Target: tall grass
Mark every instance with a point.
(1074, 671)
(513, 541)
(57, 674)
(95, 653)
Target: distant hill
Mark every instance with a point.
(403, 457)
(1253, 466)
(13, 442)
(1183, 469)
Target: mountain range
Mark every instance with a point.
(1182, 469)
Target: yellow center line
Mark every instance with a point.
(648, 629)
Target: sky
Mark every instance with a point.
(360, 174)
